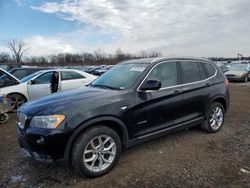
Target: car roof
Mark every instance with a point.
(157, 59)
(60, 69)
(31, 68)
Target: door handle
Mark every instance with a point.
(208, 84)
(176, 92)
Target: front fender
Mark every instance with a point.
(122, 127)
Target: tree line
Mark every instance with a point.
(98, 57)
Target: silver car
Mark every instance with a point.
(238, 72)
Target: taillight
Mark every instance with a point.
(226, 82)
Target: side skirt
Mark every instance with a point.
(163, 132)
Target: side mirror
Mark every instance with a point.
(151, 85)
(30, 82)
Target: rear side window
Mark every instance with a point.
(166, 73)
(191, 72)
(209, 69)
(70, 75)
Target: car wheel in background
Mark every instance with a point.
(96, 151)
(214, 119)
(245, 79)
(16, 100)
(4, 117)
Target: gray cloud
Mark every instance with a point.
(186, 27)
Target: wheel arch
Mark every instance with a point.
(112, 122)
(220, 99)
(18, 94)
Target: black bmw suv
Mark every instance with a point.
(134, 101)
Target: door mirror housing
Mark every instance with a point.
(30, 82)
(151, 85)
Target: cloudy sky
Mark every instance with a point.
(173, 27)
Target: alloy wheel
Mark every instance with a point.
(16, 101)
(216, 118)
(99, 153)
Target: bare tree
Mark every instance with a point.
(17, 49)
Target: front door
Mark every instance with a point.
(40, 86)
(156, 110)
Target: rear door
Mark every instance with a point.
(71, 80)
(196, 89)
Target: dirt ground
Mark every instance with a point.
(189, 158)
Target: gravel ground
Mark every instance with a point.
(189, 158)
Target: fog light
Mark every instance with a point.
(40, 141)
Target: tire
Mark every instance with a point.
(245, 79)
(91, 156)
(214, 118)
(4, 117)
(16, 100)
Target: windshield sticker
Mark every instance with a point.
(137, 69)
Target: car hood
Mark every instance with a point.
(64, 102)
(237, 73)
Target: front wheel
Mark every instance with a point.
(214, 118)
(96, 151)
(16, 100)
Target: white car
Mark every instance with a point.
(39, 84)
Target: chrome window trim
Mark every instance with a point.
(179, 85)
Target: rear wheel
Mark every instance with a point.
(245, 79)
(96, 151)
(215, 118)
(16, 100)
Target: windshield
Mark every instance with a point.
(121, 76)
(27, 78)
(238, 67)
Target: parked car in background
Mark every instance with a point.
(238, 72)
(135, 101)
(43, 83)
(9, 66)
(223, 66)
(89, 69)
(101, 71)
(20, 73)
(240, 62)
(7, 79)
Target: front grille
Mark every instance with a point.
(21, 120)
(230, 75)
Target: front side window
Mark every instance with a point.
(122, 76)
(44, 79)
(166, 73)
(70, 75)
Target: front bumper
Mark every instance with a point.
(44, 144)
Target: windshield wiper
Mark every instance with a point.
(104, 86)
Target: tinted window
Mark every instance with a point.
(70, 75)
(44, 79)
(209, 69)
(190, 71)
(166, 73)
(203, 74)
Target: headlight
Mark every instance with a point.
(49, 122)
